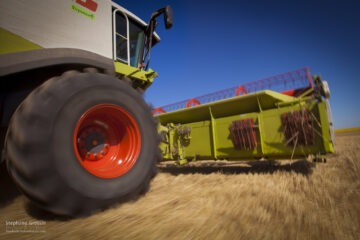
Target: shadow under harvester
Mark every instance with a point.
(302, 166)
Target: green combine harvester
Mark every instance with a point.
(291, 120)
(76, 134)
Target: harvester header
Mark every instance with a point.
(280, 117)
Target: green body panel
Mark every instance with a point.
(325, 128)
(143, 78)
(12, 43)
(210, 136)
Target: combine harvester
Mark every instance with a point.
(282, 117)
(75, 132)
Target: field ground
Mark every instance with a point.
(252, 200)
(346, 130)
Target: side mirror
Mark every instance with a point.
(168, 17)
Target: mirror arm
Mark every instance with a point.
(152, 26)
(150, 32)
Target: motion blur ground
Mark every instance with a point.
(252, 200)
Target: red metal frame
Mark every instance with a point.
(243, 134)
(240, 91)
(158, 111)
(298, 127)
(192, 102)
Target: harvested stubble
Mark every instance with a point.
(210, 200)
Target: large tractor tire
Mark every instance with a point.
(82, 142)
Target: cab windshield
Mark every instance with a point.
(128, 40)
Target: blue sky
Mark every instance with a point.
(215, 45)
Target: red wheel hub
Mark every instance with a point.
(107, 141)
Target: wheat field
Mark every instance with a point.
(217, 200)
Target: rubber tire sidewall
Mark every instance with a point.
(46, 168)
(67, 164)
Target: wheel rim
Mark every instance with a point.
(107, 141)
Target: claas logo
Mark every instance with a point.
(89, 4)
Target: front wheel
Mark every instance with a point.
(82, 142)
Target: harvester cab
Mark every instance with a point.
(132, 45)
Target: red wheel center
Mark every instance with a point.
(92, 143)
(107, 141)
